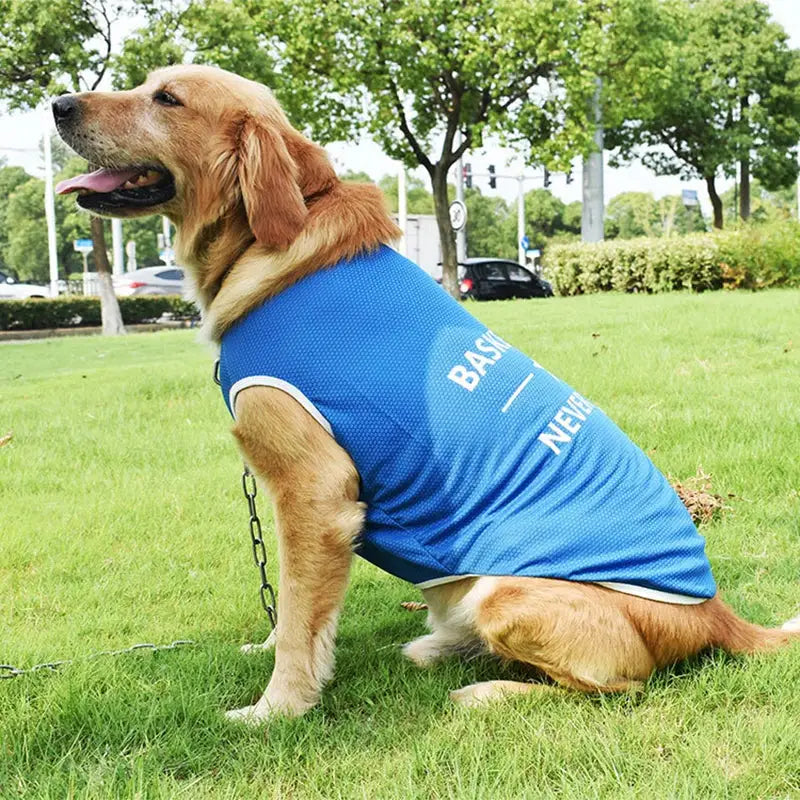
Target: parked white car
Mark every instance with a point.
(11, 290)
(150, 280)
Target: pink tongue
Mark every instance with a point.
(101, 180)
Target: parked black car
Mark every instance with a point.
(499, 279)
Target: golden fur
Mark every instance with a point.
(257, 207)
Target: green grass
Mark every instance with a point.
(121, 521)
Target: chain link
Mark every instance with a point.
(256, 538)
(9, 671)
(259, 550)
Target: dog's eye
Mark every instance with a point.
(166, 99)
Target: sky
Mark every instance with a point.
(20, 134)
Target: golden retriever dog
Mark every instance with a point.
(259, 212)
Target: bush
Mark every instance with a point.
(749, 257)
(69, 311)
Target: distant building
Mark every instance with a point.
(422, 243)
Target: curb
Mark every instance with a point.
(55, 333)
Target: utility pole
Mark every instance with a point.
(592, 229)
(167, 233)
(461, 235)
(49, 204)
(118, 265)
(521, 257)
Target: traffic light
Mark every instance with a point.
(468, 175)
(546, 178)
(570, 176)
(492, 178)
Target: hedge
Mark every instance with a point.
(72, 311)
(749, 257)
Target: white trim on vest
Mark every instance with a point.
(653, 594)
(626, 588)
(284, 386)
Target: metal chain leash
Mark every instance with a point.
(259, 550)
(250, 490)
(259, 556)
(9, 671)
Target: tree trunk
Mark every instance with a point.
(109, 307)
(744, 196)
(744, 170)
(446, 233)
(716, 202)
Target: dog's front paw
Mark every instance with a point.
(260, 648)
(250, 715)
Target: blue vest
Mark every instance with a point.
(473, 458)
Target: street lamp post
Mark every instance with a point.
(49, 204)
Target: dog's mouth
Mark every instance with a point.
(109, 190)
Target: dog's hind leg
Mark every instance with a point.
(576, 633)
(451, 625)
(478, 694)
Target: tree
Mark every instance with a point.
(427, 82)
(632, 214)
(45, 50)
(766, 206)
(572, 216)
(488, 226)
(418, 199)
(10, 179)
(726, 89)
(544, 216)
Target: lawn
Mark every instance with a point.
(121, 521)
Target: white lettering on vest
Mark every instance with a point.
(464, 377)
(565, 421)
(550, 439)
(492, 346)
(485, 347)
(568, 416)
(479, 362)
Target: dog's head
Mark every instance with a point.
(194, 143)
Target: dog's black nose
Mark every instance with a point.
(64, 107)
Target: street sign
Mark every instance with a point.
(690, 197)
(458, 215)
(83, 245)
(524, 242)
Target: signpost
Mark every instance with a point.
(458, 215)
(690, 198)
(84, 247)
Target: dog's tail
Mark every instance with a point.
(736, 635)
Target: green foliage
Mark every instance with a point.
(723, 85)
(418, 199)
(765, 206)
(10, 179)
(489, 226)
(231, 35)
(45, 47)
(632, 214)
(759, 256)
(69, 312)
(752, 258)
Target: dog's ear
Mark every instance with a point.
(268, 180)
(315, 173)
